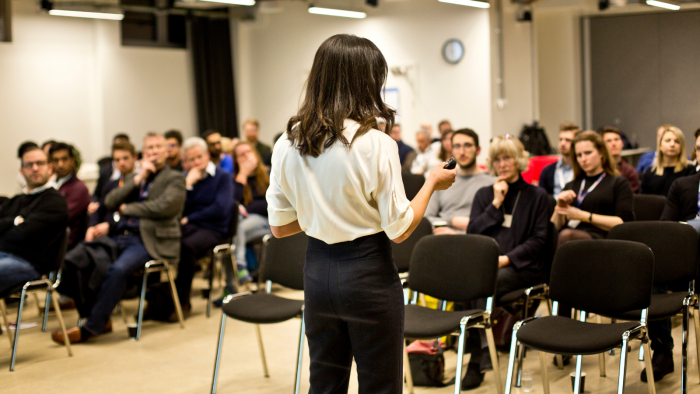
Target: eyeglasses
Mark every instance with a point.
(172, 146)
(460, 146)
(504, 137)
(30, 165)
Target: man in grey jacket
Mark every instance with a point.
(147, 210)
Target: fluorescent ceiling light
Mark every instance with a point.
(86, 14)
(470, 3)
(663, 4)
(334, 12)
(234, 2)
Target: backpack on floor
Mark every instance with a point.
(427, 363)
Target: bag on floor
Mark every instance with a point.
(160, 302)
(427, 363)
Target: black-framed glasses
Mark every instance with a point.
(31, 164)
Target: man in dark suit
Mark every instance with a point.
(148, 206)
(32, 224)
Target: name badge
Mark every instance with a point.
(574, 223)
(507, 221)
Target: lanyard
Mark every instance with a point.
(581, 194)
(517, 198)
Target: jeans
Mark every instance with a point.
(132, 256)
(253, 226)
(353, 307)
(15, 272)
(196, 242)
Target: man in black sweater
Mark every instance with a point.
(32, 225)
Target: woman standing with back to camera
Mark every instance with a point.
(338, 179)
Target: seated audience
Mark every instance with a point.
(555, 176)
(454, 205)
(406, 153)
(77, 196)
(251, 183)
(613, 141)
(205, 220)
(671, 163)
(683, 198)
(426, 157)
(173, 142)
(24, 147)
(107, 172)
(148, 206)
(32, 224)
(445, 146)
(219, 158)
(251, 131)
(647, 160)
(514, 213)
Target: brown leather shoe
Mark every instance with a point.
(74, 336)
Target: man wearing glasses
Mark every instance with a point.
(223, 160)
(75, 192)
(32, 224)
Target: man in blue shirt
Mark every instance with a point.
(223, 160)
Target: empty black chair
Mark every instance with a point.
(648, 207)
(217, 257)
(675, 247)
(412, 183)
(402, 251)
(282, 263)
(458, 268)
(622, 274)
(34, 286)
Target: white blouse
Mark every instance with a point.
(343, 194)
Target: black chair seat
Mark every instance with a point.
(662, 306)
(511, 297)
(561, 335)
(425, 323)
(263, 308)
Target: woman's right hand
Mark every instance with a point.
(442, 178)
(566, 198)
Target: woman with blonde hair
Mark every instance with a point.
(514, 213)
(670, 164)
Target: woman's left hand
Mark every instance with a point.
(572, 213)
(503, 261)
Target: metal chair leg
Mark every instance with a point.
(176, 298)
(139, 323)
(494, 360)
(601, 356)
(545, 375)
(211, 283)
(47, 303)
(3, 310)
(17, 329)
(460, 355)
(577, 380)
(684, 349)
(623, 366)
(219, 346)
(36, 301)
(560, 361)
(59, 314)
(300, 355)
(696, 318)
(122, 310)
(262, 350)
(511, 358)
(407, 370)
(651, 385)
(521, 347)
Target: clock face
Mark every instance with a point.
(453, 51)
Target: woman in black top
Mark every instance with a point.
(671, 163)
(598, 199)
(514, 213)
(683, 199)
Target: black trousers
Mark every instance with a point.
(353, 307)
(196, 242)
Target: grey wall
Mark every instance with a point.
(645, 71)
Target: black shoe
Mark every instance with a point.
(473, 378)
(566, 360)
(661, 364)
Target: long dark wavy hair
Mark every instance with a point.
(345, 82)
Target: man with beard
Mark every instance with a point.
(454, 205)
(32, 224)
(223, 160)
(555, 176)
(63, 159)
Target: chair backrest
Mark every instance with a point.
(550, 249)
(283, 260)
(603, 276)
(402, 252)
(62, 250)
(675, 247)
(648, 207)
(552, 205)
(233, 223)
(412, 183)
(460, 267)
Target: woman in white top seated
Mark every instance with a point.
(338, 179)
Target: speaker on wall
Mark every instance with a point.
(5, 20)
